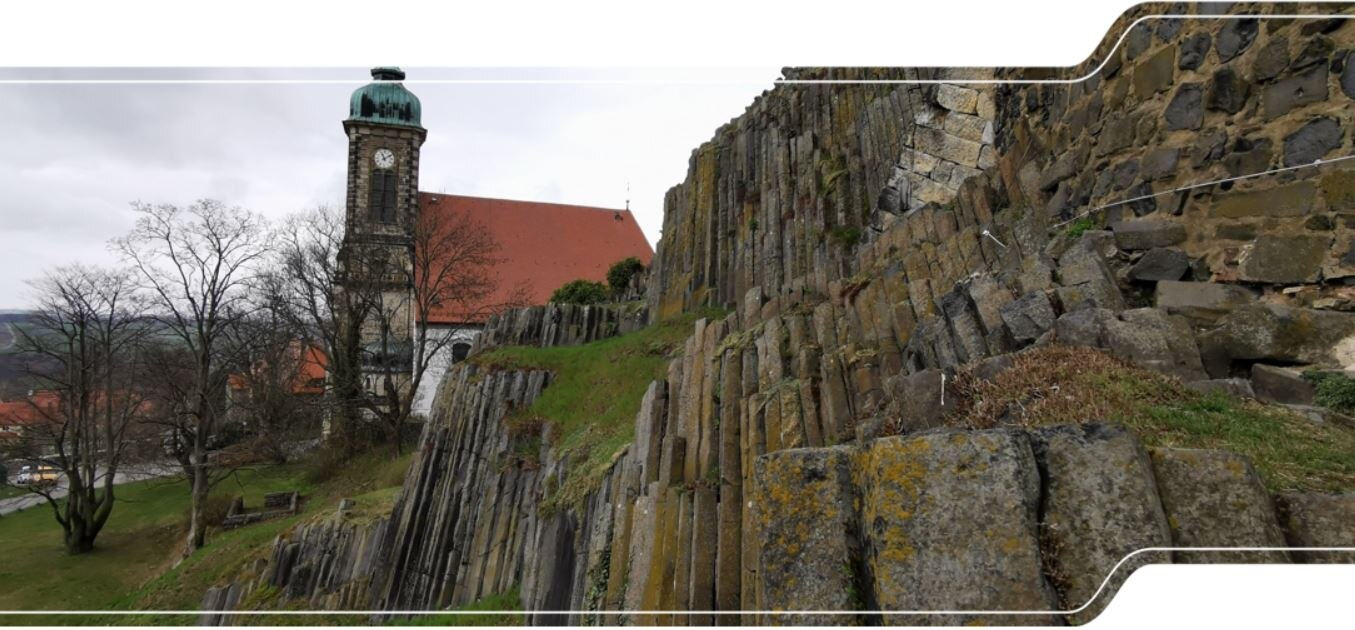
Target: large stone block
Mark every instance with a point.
(1312, 141)
(1100, 506)
(807, 550)
(1087, 280)
(950, 522)
(1292, 200)
(947, 147)
(1148, 234)
(1286, 259)
(1201, 301)
(1160, 263)
(1151, 338)
(916, 401)
(1283, 334)
(1186, 109)
(1339, 188)
(1283, 385)
(1312, 519)
(1216, 499)
(1028, 317)
(1296, 91)
(1155, 73)
(957, 99)
(1235, 37)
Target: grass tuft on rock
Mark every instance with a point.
(594, 394)
(1062, 384)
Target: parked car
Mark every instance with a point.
(37, 475)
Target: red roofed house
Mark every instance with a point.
(541, 245)
(20, 416)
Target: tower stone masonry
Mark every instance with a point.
(376, 257)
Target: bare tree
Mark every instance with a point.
(197, 263)
(89, 332)
(279, 381)
(307, 279)
(452, 272)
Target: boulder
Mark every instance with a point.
(1086, 279)
(950, 524)
(1312, 519)
(1148, 234)
(1282, 385)
(1083, 328)
(1201, 301)
(1160, 263)
(1282, 334)
(916, 402)
(1028, 317)
(1100, 506)
(1216, 499)
(808, 549)
(1151, 338)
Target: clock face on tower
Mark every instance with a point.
(383, 158)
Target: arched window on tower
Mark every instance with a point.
(382, 203)
(459, 352)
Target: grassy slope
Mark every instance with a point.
(1056, 385)
(595, 394)
(132, 565)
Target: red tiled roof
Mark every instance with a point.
(543, 245)
(311, 367)
(40, 408)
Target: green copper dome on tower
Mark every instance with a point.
(385, 101)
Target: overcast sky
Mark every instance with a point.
(73, 156)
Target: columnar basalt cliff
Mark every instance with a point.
(875, 241)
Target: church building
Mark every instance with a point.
(540, 246)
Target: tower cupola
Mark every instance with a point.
(385, 101)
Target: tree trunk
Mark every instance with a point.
(78, 538)
(197, 527)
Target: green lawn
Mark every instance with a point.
(594, 395)
(132, 566)
(10, 491)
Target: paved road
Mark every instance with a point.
(133, 472)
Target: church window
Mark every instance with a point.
(382, 203)
(459, 352)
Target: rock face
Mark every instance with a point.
(1215, 499)
(1100, 506)
(807, 515)
(953, 500)
(869, 241)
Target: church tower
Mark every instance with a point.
(377, 255)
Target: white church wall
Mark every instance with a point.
(440, 361)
